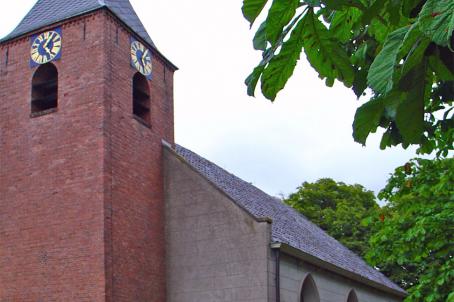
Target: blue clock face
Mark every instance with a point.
(141, 58)
(46, 47)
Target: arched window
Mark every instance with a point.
(141, 98)
(309, 292)
(44, 89)
(352, 296)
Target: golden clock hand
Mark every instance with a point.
(144, 55)
(47, 43)
(47, 50)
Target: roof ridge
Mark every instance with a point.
(226, 171)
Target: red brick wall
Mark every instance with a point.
(134, 155)
(51, 176)
(81, 197)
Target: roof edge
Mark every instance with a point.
(160, 55)
(364, 273)
(291, 251)
(9, 38)
(169, 148)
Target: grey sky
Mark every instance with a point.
(305, 135)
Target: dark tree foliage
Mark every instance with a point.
(402, 50)
(338, 209)
(413, 243)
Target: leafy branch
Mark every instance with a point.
(399, 50)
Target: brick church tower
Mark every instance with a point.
(86, 100)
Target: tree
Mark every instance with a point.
(401, 49)
(338, 209)
(413, 243)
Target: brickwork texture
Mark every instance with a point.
(81, 189)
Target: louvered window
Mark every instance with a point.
(44, 90)
(141, 98)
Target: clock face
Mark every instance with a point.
(46, 47)
(141, 58)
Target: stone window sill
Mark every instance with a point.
(142, 121)
(44, 112)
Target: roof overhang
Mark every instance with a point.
(291, 251)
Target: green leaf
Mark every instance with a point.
(366, 221)
(385, 140)
(343, 23)
(360, 83)
(373, 11)
(436, 21)
(260, 38)
(312, 3)
(367, 119)
(253, 78)
(410, 114)
(341, 4)
(415, 55)
(408, 6)
(282, 65)
(359, 57)
(378, 30)
(440, 69)
(323, 53)
(412, 37)
(329, 82)
(280, 14)
(381, 72)
(393, 9)
(392, 103)
(252, 9)
(378, 112)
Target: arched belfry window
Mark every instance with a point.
(141, 98)
(352, 297)
(309, 292)
(44, 89)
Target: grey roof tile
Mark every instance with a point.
(288, 227)
(47, 12)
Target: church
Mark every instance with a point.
(99, 203)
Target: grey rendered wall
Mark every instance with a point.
(331, 287)
(215, 250)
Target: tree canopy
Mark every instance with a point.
(413, 243)
(411, 239)
(338, 209)
(402, 50)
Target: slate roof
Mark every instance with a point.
(288, 226)
(48, 12)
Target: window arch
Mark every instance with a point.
(141, 97)
(309, 292)
(352, 296)
(44, 89)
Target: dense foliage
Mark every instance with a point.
(414, 241)
(338, 208)
(401, 49)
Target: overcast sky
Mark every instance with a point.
(305, 135)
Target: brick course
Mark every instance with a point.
(81, 202)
